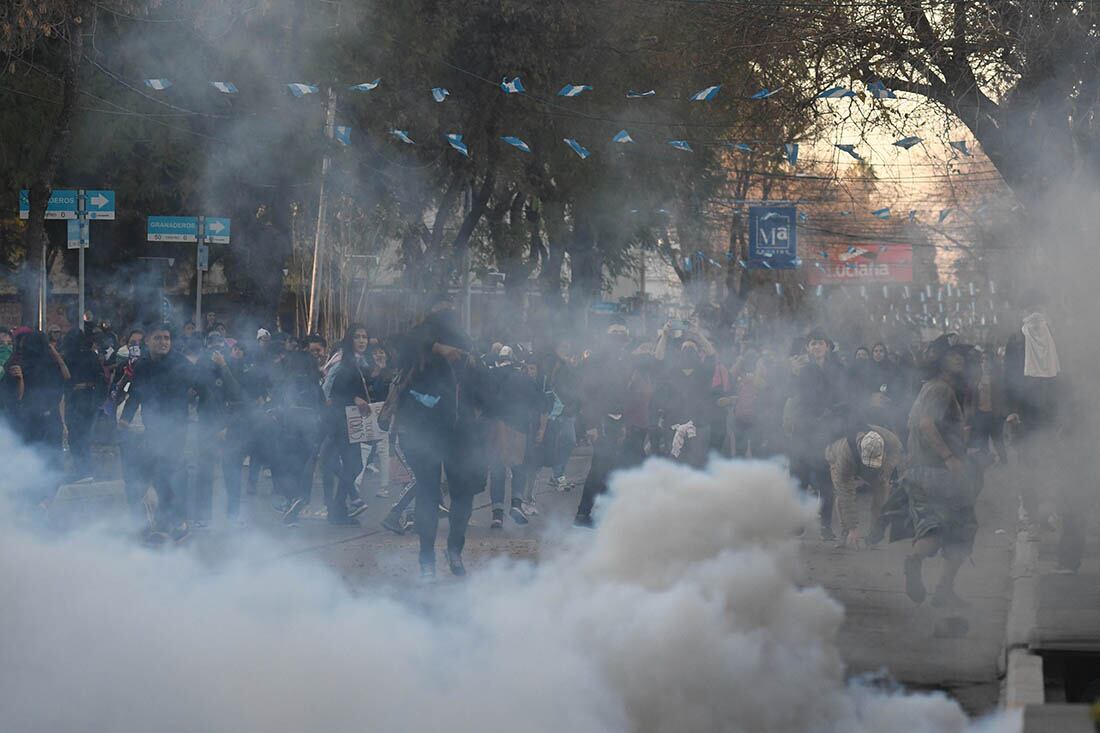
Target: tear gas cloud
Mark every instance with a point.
(645, 625)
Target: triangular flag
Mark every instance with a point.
(878, 90)
(741, 147)
(403, 136)
(791, 151)
(577, 148)
(455, 141)
(300, 90)
(342, 134)
(881, 213)
(706, 95)
(515, 86)
(766, 93)
(366, 86)
(680, 145)
(640, 95)
(849, 149)
(574, 90)
(225, 87)
(960, 145)
(622, 136)
(439, 94)
(907, 142)
(158, 84)
(944, 213)
(515, 142)
(836, 93)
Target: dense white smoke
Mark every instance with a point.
(681, 613)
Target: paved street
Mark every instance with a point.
(882, 629)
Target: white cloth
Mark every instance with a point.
(680, 434)
(1040, 353)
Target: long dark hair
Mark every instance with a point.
(347, 344)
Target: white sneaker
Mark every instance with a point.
(529, 507)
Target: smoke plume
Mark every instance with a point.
(681, 613)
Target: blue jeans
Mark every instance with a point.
(563, 439)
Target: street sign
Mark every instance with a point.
(62, 204)
(172, 229)
(77, 233)
(217, 230)
(204, 257)
(772, 239)
(100, 204)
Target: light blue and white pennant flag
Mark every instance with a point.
(158, 84)
(403, 136)
(225, 87)
(577, 148)
(574, 90)
(622, 136)
(366, 86)
(300, 90)
(454, 139)
(439, 94)
(515, 142)
(515, 86)
(706, 95)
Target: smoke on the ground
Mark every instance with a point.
(681, 613)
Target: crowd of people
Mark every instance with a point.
(915, 428)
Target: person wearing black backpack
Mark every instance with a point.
(296, 408)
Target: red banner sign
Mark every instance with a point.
(863, 264)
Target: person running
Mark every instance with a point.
(942, 485)
(441, 430)
(514, 414)
(161, 388)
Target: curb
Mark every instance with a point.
(1022, 670)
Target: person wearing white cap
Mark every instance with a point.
(870, 453)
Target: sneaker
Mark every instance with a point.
(181, 532)
(444, 511)
(914, 583)
(946, 598)
(290, 516)
(357, 509)
(498, 519)
(530, 508)
(517, 515)
(427, 572)
(454, 559)
(356, 503)
(827, 534)
(280, 505)
(394, 523)
(584, 521)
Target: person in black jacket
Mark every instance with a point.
(349, 389)
(84, 392)
(608, 455)
(817, 416)
(438, 431)
(297, 401)
(217, 390)
(161, 387)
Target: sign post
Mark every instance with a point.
(78, 207)
(197, 229)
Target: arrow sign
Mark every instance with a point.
(100, 204)
(172, 229)
(217, 230)
(62, 204)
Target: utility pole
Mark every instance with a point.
(319, 236)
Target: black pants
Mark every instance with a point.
(428, 461)
(234, 449)
(351, 465)
(42, 430)
(815, 472)
(168, 474)
(80, 411)
(292, 464)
